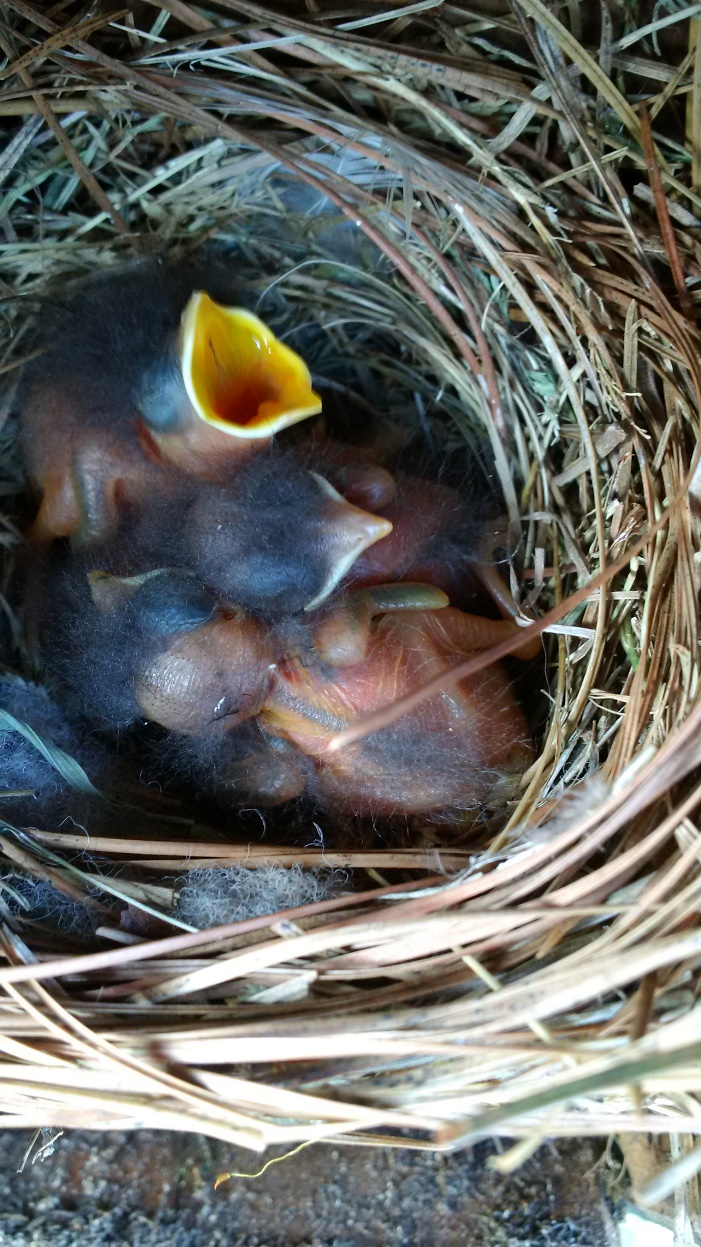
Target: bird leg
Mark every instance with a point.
(459, 632)
(502, 596)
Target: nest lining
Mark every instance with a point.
(481, 221)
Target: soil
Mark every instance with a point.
(148, 1189)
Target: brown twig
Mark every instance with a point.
(663, 217)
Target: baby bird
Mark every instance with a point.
(276, 541)
(280, 537)
(96, 630)
(142, 365)
(437, 537)
(279, 542)
(466, 746)
(199, 677)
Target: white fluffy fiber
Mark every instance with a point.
(210, 898)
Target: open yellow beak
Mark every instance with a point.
(238, 376)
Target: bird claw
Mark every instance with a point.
(490, 579)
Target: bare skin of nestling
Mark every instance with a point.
(465, 746)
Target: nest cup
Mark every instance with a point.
(488, 230)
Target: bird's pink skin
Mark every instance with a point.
(474, 738)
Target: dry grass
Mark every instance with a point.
(520, 261)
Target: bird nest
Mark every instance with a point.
(487, 220)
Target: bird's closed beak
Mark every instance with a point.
(348, 531)
(238, 376)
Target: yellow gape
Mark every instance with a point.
(238, 376)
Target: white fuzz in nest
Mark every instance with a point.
(210, 898)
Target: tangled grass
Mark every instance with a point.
(487, 220)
